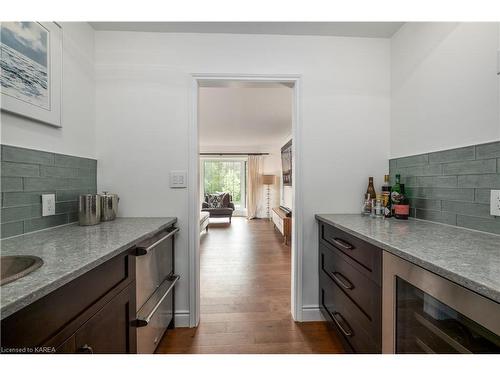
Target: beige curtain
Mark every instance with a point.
(254, 185)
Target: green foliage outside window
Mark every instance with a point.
(224, 176)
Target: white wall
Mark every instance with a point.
(444, 86)
(77, 136)
(143, 111)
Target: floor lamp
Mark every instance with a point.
(268, 179)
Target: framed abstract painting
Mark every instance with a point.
(31, 70)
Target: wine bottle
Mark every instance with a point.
(396, 192)
(402, 208)
(371, 189)
(386, 197)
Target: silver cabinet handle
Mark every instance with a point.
(141, 250)
(343, 244)
(344, 330)
(144, 317)
(342, 280)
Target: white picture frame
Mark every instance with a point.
(31, 70)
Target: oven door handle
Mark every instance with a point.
(144, 317)
(142, 250)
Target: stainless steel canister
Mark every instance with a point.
(89, 209)
(109, 206)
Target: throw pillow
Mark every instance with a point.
(214, 200)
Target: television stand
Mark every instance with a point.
(282, 221)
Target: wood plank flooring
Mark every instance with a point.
(245, 297)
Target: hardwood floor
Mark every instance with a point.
(245, 297)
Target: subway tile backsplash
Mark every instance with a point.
(26, 174)
(452, 186)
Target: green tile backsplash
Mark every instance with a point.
(452, 186)
(26, 174)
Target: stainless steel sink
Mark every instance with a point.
(16, 266)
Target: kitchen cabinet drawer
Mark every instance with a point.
(67, 347)
(155, 316)
(347, 318)
(153, 266)
(111, 330)
(344, 272)
(369, 256)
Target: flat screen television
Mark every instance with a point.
(286, 163)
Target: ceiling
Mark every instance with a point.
(347, 29)
(244, 117)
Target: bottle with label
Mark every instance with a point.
(386, 197)
(402, 208)
(366, 209)
(371, 189)
(377, 207)
(396, 192)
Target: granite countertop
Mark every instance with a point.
(466, 257)
(68, 252)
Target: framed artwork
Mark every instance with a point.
(286, 163)
(31, 70)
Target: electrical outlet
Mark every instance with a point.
(48, 204)
(495, 203)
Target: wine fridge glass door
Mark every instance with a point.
(426, 325)
(426, 313)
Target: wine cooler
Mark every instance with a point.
(426, 313)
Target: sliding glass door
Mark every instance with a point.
(228, 176)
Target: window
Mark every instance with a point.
(226, 175)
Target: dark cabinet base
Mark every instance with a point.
(97, 309)
(350, 293)
(111, 329)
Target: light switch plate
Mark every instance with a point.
(495, 203)
(48, 204)
(178, 179)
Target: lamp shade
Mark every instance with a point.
(268, 179)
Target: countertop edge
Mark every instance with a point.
(463, 281)
(15, 306)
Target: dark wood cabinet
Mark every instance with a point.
(97, 309)
(111, 330)
(350, 288)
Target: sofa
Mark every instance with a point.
(225, 209)
(204, 216)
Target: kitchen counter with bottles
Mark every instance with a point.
(467, 257)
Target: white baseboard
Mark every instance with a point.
(182, 318)
(311, 313)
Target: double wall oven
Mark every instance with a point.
(425, 313)
(155, 292)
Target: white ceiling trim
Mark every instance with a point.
(342, 29)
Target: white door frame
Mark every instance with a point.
(194, 186)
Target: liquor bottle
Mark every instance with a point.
(402, 208)
(371, 189)
(366, 209)
(396, 192)
(386, 197)
(378, 206)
